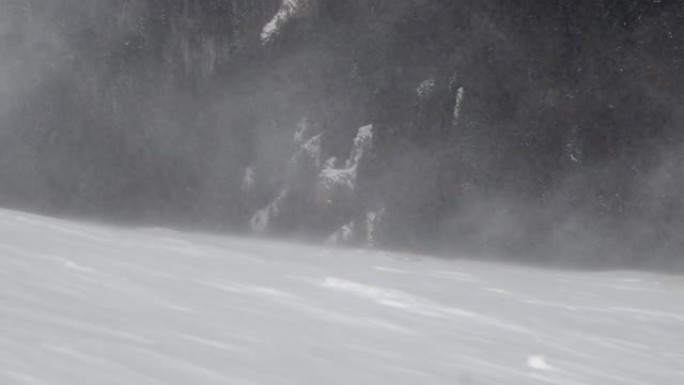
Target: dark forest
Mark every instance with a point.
(546, 131)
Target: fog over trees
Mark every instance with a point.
(546, 130)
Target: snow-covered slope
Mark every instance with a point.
(81, 304)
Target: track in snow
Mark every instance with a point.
(82, 304)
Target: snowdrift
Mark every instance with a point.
(85, 304)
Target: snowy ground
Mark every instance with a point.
(82, 304)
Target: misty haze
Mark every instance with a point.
(341, 192)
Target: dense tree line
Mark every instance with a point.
(529, 127)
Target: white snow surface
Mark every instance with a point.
(87, 304)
